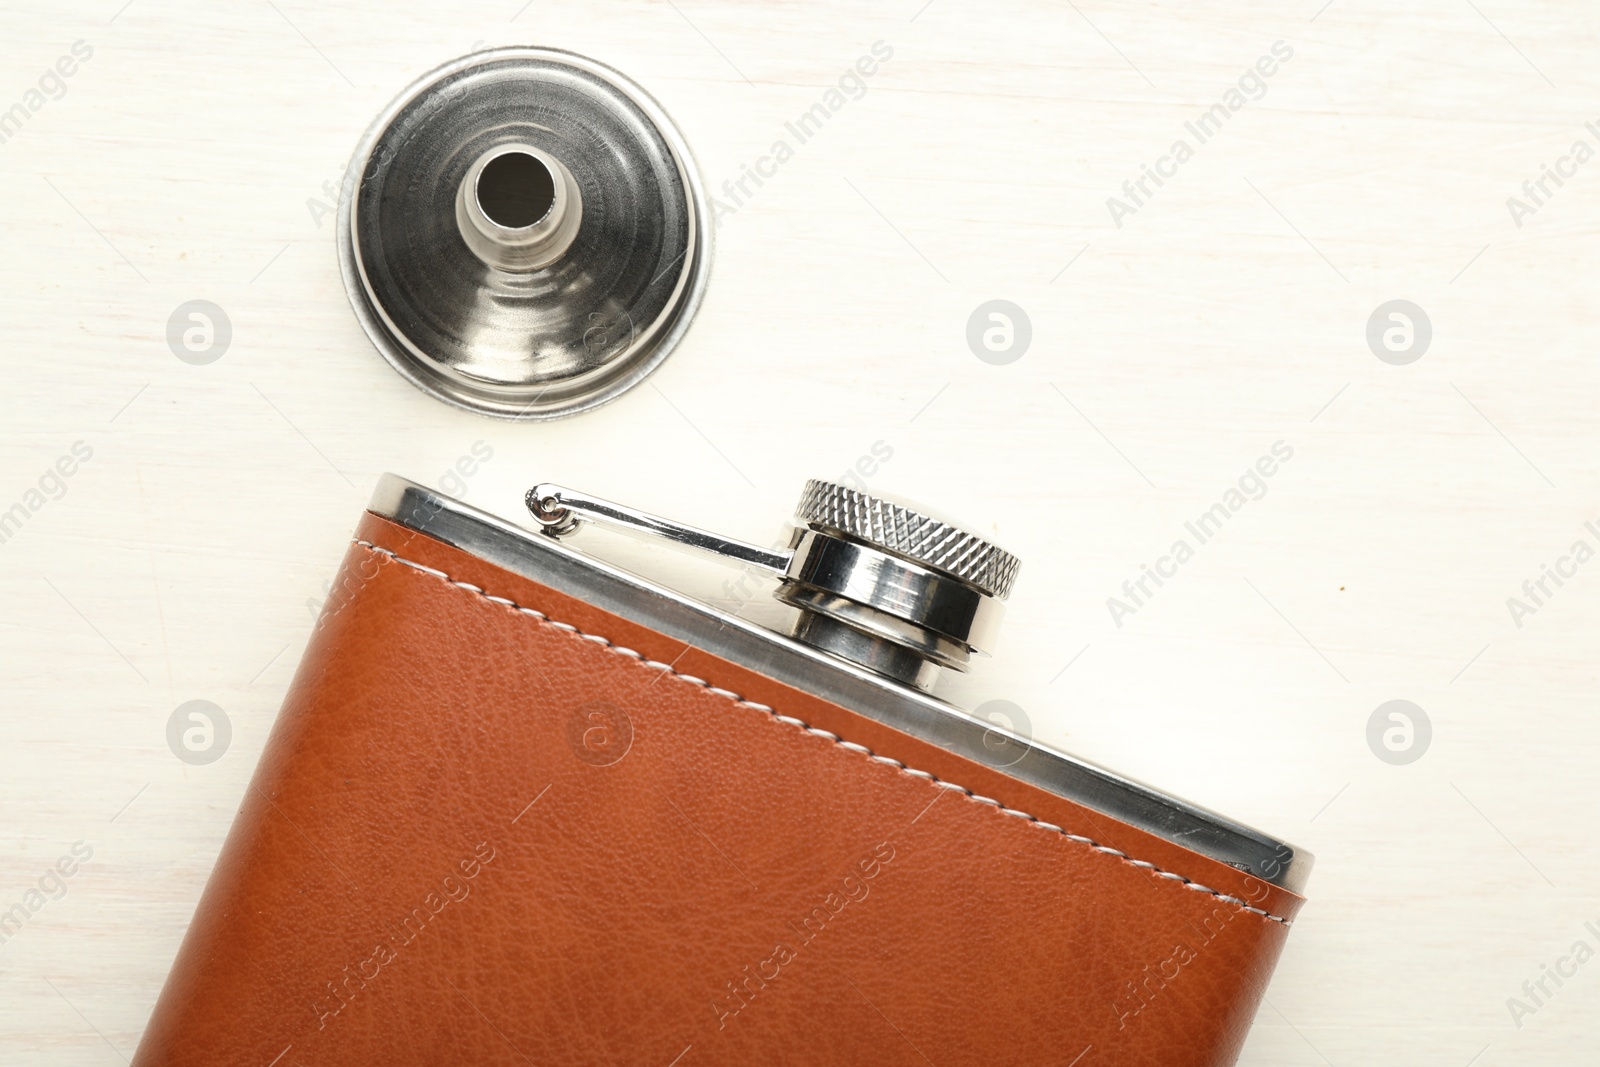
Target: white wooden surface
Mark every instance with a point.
(1229, 313)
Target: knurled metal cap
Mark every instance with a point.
(909, 534)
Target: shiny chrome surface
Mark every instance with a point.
(875, 625)
(524, 314)
(560, 511)
(825, 630)
(887, 609)
(919, 537)
(545, 559)
(898, 577)
(518, 208)
(890, 597)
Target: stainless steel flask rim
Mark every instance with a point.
(628, 349)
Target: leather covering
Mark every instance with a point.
(496, 825)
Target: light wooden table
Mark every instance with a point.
(189, 157)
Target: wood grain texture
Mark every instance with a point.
(186, 159)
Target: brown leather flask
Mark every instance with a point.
(524, 806)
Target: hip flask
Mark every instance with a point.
(523, 805)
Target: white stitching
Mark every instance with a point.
(788, 720)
